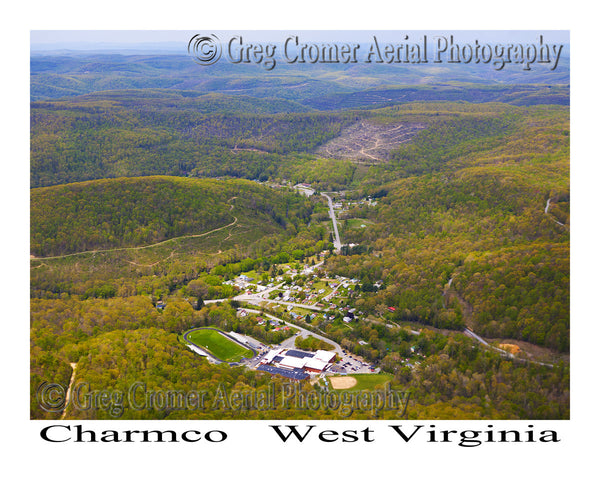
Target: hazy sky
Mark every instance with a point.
(93, 39)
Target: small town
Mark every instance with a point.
(305, 295)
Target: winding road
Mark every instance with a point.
(546, 212)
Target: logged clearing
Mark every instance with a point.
(342, 383)
(369, 142)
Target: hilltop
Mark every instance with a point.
(135, 212)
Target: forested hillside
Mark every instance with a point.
(131, 134)
(130, 212)
(475, 215)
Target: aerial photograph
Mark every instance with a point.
(299, 225)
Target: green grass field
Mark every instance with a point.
(357, 223)
(313, 344)
(219, 345)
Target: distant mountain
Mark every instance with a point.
(76, 73)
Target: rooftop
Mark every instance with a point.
(295, 374)
(298, 354)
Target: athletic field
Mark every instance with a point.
(219, 345)
(360, 381)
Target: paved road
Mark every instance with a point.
(472, 334)
(260, 297)
(546, 212)
(504, 353)
(337, 244)
(329, 296)
(303, 332)
(348, 363)
(257, 300)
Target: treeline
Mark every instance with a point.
(173, 101)
(118, 343)
(127, 212)
(463, 134)
(326, 86)
(451, 377)
(381, 96)
(458, 237)
(324, 174)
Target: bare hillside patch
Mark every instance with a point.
(367, 142)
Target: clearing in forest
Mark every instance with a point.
(367, 142)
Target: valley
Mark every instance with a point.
(421, 230)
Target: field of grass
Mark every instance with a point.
(313, 344)
(318, 285)
(370, 381)
(219, 345)
(356, 223)
(303, 311)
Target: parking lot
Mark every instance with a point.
(352, 364)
